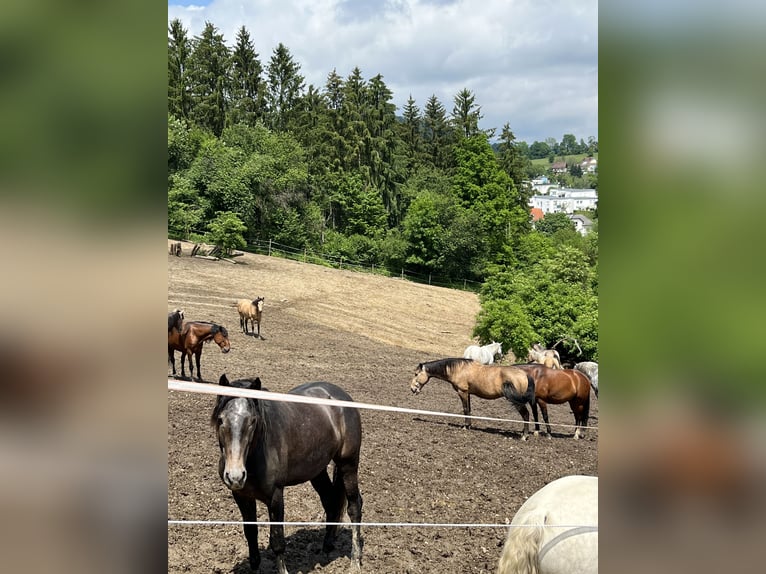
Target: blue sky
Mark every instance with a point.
(532, 64)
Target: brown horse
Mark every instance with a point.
(556, 386)
(190, 340)
(469, 377)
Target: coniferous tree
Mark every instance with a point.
(209, 73)
(285, 87)
(247, 89)
(466, 114)
(412, 135)
(179, 50)
(383, 144)
(511, 158)
(355, 130)
(437, 134)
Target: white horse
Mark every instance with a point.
(590, 370)
(571, 503)
(548, 357)
(484, 355)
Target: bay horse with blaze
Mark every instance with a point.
(190, 340)
(468, 378)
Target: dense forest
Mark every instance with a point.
(254, 154)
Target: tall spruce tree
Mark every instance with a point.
(179, 50)
(466, 114)
(285, 87)
(437, 134)
(512, 160)
(247, 89)
(412, 135)
(209, 71)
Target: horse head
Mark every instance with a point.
(236, 420)
(221, 338)
(258, 303)
(420, 379)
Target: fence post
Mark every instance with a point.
(402, 272)
(429, 278)
(269, 247)
(304, 255)
(341, 262)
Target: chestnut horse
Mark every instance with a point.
(468, 378)
(266, 446)
(190, 340)
(556, 386)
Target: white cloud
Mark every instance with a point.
(532, 64)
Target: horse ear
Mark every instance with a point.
(223, 381)
(256, 384)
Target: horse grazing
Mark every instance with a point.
(485, 355)
(268, 445)
(250, 310)
(176, 320)
(591, 371)
(468, 378)
(555, 531)
(548, 357)
(190, 340)
(556, 386)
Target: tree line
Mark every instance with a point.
(254, 153)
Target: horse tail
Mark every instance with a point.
(521, 551)
(518, 397)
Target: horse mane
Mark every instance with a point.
(215, 328)
(442, 367)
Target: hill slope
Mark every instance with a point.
(424, 318)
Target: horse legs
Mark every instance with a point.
(183, 363)
(465, 398)
(544, 410)
(277, 531)
(524, 412)
(581, 412)
(248, 510)
(348, 473)
(197, 356)
(172, 358)
(243, 324)
(332, 501)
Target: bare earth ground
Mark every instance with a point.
(367, 334)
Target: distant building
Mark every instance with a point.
(565, 200)
(582, 224)
(589, 165)
(559, 167)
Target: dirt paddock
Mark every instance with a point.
(367, 334)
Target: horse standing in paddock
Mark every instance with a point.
(555, 531)
(176, 320)
(591, 371)
(268, 445)
(468, 378)
(556, 386)
(175, 248)
(250, 310)
(548, 357)
(485, 355)
(190, 340)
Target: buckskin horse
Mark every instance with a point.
(190, 340)
(269, 445)
(468, 378)
(556, 386)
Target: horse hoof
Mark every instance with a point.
(523, 437)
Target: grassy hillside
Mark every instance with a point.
(569, 159)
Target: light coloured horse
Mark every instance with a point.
(555, 531)
(590, 370)
(548, 357)
(484, 355)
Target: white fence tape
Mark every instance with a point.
(210, 389)
(379, 524)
